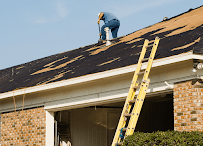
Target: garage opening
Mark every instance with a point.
(96, 125)
(156, 114)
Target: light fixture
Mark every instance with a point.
(195, 63)
(200, 66)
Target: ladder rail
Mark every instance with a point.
(141, 95)
(136, 110)
(131, 94)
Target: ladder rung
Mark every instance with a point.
(126, 115)
(132, 101)
(149, 46)
(145, 81)
(136, 87)
(124, 129)
(142, 72)
(120, 143)
(145, 59)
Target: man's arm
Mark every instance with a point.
(100, 17)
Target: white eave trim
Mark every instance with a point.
(104, 100)
(100, 75)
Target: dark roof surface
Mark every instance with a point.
(178, 35)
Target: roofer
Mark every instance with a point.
(111, 21)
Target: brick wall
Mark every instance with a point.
(26, 128)
(188, 106)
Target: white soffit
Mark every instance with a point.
(100, 75)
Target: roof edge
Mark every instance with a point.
(101, 75)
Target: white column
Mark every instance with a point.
(49, 128)
(106, 29)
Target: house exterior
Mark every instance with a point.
(77, 96)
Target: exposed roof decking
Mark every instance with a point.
(178, 35)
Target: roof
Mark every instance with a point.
(180, 34)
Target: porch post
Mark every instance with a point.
(49, 128)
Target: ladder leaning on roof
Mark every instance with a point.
(133, 105)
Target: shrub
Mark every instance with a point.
(167, 138)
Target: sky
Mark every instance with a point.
(34, 29)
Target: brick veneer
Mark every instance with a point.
(26, 128)
(188, 106)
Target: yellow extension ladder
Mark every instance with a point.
(133, 105)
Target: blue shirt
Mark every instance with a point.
(108, 17)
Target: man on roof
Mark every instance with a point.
(111, 21)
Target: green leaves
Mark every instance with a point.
(167, 138)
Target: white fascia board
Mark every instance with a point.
(101, 75)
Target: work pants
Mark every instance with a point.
(113, 25)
